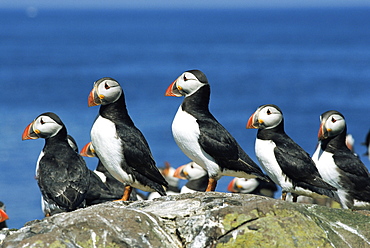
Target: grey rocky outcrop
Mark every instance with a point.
(197, 220)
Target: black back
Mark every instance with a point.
(63, 177)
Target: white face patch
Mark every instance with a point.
(335, 125)
(194, 171)
(46, 126)
(187, 84)
(246, 185)
(270, 117)
(109, 91)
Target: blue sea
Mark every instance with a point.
(306, 61)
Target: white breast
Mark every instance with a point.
(266, 157)
(108, 147)
(38, 164)
(185, 130)
(327, 168)
(330, 173)
(265, 154)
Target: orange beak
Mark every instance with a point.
(172, 90)
(93, 99)
(251, 122)
(3, 216)
(88, 150)
(28, 133)
(179, 172)
(321, 134)
(231, 187)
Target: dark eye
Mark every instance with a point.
(333, 120)
(106, 86)
(42, 121)
(185, 79)
(268, 112)
(192, 166)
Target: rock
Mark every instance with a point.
(198, 220)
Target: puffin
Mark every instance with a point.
(3, 216)
(254, 186)
(337, 164)
(62, 174)
(284, 161)
(97, 191)
(201, 137)
(50, 208)
(112, 189)
(197, 177)
(119, 144)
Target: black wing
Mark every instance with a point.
(219, 144)
(297, 163)
(139, 158)
(355, 171)
(63, 178)
(99, 192)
